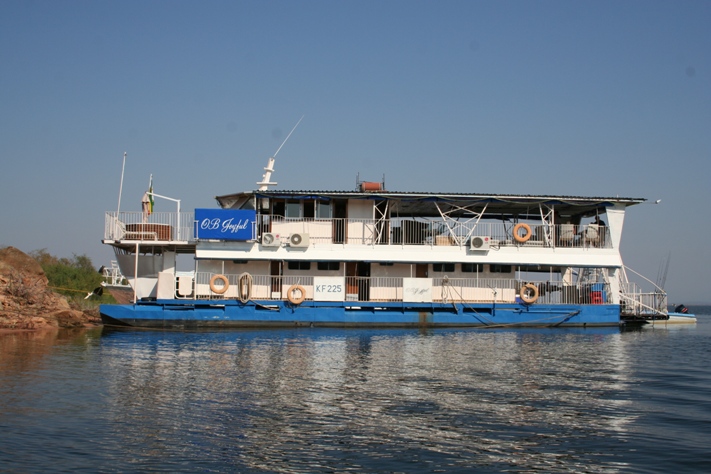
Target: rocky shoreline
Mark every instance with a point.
(27, 303)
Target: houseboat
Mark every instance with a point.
(374, 257)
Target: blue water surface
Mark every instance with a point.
(328, 400)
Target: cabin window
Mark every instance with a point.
(293, 209)
(278, 209)
(299, 265)
(472, 268)
(443, 267)
(328, 265)
(500, 268)
(323, 210)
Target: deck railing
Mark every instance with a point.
(172, 226)
(159, 226)
(432, 233)
(635, 301)
(391, 289)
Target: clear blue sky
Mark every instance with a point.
(558, 97)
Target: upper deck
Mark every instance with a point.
(388, 226)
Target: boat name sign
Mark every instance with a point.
(225, 224)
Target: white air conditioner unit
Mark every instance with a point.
(270, 240)
(299, 240)
(480, 243)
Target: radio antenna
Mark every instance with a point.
(269, 169)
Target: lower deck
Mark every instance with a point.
(208, 286)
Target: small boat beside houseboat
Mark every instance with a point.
(680, 315)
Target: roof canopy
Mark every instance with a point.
(456, 204)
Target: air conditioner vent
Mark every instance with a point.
(480, 243)
(299, 240)
(270, 240)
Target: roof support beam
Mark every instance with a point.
(454, 226)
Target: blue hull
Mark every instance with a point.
(230, 313)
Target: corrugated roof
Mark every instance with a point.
(443, 195)
(440, 195)
(457, 204)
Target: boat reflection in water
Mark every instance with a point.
(372, 400)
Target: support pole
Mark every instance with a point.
(135, 275)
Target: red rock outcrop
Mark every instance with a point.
(25, 300)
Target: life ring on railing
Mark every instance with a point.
(225, 284)
(529, 293)
(522, 238)
(296, 300)
(245, 287)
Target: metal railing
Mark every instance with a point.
(635, 301)
(434, 233)
(112, 276)
(159, 226)
(172, 226)
(391, 289)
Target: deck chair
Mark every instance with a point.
(566, 235)
(592, 234)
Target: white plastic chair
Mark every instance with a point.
(592, 234)
(567, 234)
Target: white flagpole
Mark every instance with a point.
(118, 208)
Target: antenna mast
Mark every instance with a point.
(269, 169)
(123, 167)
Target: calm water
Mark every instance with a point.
(358, 401)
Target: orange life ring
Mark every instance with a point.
(225, 284)
(522, 238)
(296, 300)
(526, 297)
